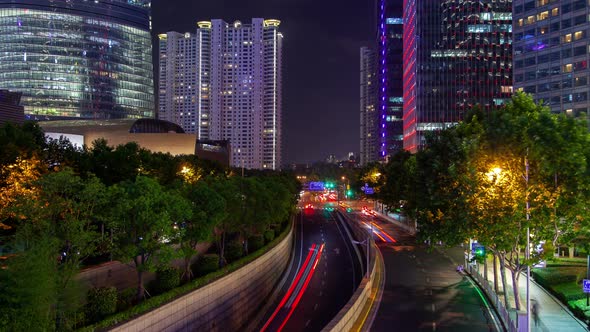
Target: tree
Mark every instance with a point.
(20, 142)
(65, 210)
(17, 180)
(145, 219)
(208, 209)
(229, 189)
(28, 288)
(399, 188)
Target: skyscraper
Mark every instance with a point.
(370, 139)
(381, 112)
(390, 45)
(457, 54)
(551, 53)
(78, 59)
(224, 83)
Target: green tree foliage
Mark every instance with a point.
(28, 288)
(474, 181)
(208, 210)
(20, 141)
(64, 212)
(145, 218)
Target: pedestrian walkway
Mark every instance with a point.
(553, 315)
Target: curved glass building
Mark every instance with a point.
(78, 58)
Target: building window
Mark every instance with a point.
(542, 15)
(567, 38)
(567, 68)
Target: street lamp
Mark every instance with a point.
(493, 175)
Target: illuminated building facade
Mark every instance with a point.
(369, 106)
(10, 108)
(381, 86)
(224, 83)
(390, 40)
(457, 54)
(78, 59)
(551, 47)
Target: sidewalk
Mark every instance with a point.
(553, 315)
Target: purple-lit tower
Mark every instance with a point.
(457, 54)
(390, 71)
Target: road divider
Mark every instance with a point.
(358, 313)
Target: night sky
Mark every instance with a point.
(321, 63)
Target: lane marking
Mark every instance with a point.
(300, 294)
(290, 290)
(434, 326)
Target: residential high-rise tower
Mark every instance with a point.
(223, 82)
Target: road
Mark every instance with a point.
(322, 278)
(423, 291)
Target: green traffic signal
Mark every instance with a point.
(480, 252)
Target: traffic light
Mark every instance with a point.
(480, 251)
(349, 193)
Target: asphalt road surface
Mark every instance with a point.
(423, 291)
(322, 278)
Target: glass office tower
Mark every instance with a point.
(391, 73)
(78, 59)
(551, 48)
(457, 55)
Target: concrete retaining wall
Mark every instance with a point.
(355, 311)
(224, 305)
(353, 315)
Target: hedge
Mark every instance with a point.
(164, 298)
(206, 264)
(167, 278)
(101, 302)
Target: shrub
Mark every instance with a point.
(569, 291)
(101, 302)
(269, 235)
(234, 250)
(167, 278)
(126, 298)
(206, 264)
(255, 242)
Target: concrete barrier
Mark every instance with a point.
(224, 305)
(353, 316)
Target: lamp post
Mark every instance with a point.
(494, 175)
